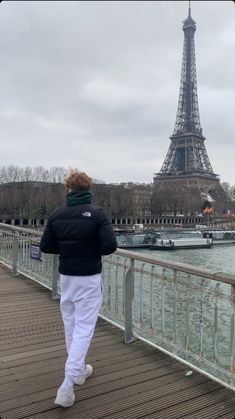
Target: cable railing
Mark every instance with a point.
(185, 311)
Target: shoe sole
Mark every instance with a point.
(69, 404)
(63, 405)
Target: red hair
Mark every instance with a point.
(77, 181)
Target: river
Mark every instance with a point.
(218, 258)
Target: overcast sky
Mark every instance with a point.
(95, 85)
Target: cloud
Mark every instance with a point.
(95, 84)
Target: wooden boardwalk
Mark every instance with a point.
(129, 381)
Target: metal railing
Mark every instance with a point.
(16, 246)
(186, 312)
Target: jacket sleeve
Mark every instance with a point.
(107, 243)
(49, 242)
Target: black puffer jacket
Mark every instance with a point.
(81, 234)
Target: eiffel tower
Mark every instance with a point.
(187, 165)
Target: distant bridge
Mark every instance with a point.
(149, 221)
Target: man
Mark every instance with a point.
(80, 233)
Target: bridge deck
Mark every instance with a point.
(129, 381)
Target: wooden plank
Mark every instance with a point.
(224, 409)
(193, 405)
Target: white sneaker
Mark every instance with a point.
(82, 378)
(64, 398)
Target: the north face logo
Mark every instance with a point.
(86, 214)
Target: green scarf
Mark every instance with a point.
(78, 197)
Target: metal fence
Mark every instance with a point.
(187, 312)
(19, 250)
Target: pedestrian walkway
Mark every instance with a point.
(129, 381)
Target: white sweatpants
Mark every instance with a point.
(81, 298)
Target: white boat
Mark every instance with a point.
(183, 243)
(134, 240)
(221, 237)
(162, 244)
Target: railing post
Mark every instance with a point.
(233, 330)
(55, 278)
(128, 298)
(15, 253)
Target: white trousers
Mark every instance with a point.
(81, 298)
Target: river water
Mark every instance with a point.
(219, 258)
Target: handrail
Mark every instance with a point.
(182, 267)
(21, 229)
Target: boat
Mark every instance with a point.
(221, 237)
(163, 244)
(183, 243)
(135, 240)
